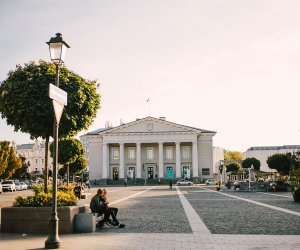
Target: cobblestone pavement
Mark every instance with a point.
(186, 218)
(227, 215)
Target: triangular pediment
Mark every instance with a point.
(151, 125)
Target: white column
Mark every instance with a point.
(178, 160)
(195, 159)
(122, 164)
(161, 160)
(138, 161)
(105, 161)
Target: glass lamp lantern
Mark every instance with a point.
(58, 49)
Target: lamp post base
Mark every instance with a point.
(53, 241)
(53, 245)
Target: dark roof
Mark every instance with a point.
(274, 147)
(25, 146)
(29, 146)
(97, 131)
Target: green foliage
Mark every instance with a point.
(232, 167)
(69, 149)
(295, 178)
(62, 172)
(78, 165)
(25, 102)
(281, 162)
(232, 155)
(9, 162)
(65, 197)
(4, 154)
(21, 172)
(248, 162)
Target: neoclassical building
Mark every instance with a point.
(149, 148)
(35, 155)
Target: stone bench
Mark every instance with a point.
(86, 222)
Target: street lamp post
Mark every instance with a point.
(58, 49)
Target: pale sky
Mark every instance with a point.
(232, 66)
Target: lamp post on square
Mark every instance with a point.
(58, 49)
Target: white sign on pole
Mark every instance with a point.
(58, 94)
(58, 109)
(59, 100)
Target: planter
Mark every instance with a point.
(35, 220)
(296, 195)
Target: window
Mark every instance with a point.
(42, 160)
(205, 171)
(36, 161)
(169, 153)
(150, 154)
(131, 153)
(186, 152)
(115, 153)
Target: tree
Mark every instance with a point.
(232, 155)
(69, 150)
(62, 172)
(25, 102)
(4, 154)
(78, 165)
(232, 167)
(280, 162)
(22, 172)
(10, 163)
(248, 162)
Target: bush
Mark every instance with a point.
(65, 197)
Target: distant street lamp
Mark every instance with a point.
(58, 49)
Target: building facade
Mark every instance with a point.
(35, 155)
(149, 148)
(262, 154)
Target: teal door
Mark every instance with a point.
(170, 173)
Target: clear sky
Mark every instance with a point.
(232, 66)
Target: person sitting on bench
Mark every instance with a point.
(113, 211)
(98, 206)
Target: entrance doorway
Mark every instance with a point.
(130, 173)
(150, 172)
(186, 172)
(170, 172)
(115, 173)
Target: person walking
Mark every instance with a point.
(125, 182)
(170, 184)
(159, 181)
(145, 183)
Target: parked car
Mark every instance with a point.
(1, 188)
(23, 185)
(210, 182)
(236, 185)
(18, 186)
(184, 182)
(8, 185)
